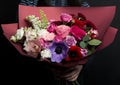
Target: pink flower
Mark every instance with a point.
(84, 52)
(51, 27)
(32, 47)
(70, 40)
(77, 32)
(58, 38)
(62, 30)
(49, 37)
(66, 17)
(44, 44)
(94, 33)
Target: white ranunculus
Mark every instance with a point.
(45, 53)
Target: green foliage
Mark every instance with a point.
(94, 42)
(44, 20)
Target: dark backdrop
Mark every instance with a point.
(103, 68)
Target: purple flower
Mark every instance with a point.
(59, 51)
(70, 40)
(66, 17)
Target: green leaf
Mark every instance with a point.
(86, 38)
(83, 44)
(94, 42)
(44, 20)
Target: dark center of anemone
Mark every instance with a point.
(72, 54)
(58, 49)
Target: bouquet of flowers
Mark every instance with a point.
(59, 42)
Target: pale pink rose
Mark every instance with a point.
(66, 17)
(62, 30)
(49, 37)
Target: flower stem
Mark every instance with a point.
(77, 83)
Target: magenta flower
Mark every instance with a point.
(77, 32)
(58, 51)
(66, 17)
(51, 27)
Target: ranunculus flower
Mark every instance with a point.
(70, 40)
(77, 32)
(66, 17)
(80, 15)
(59, 51)
(79, 23)
(90, 24)
(62, 30)
(74, 54)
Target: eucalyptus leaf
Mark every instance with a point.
(83, 44)
(94, 42)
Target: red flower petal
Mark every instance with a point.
(74, 54)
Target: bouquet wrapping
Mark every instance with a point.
(64, 37)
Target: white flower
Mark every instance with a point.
(41, 33)
(13, 38)
(30, 34)
(20, 33)
(45, 53)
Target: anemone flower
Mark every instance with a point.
(58, 51)
(74, 54)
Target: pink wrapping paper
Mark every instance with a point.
(100, 16)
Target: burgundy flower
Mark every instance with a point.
(79, 23)
(90, 24)
(74, 54)
(77, 32)
(80, 15)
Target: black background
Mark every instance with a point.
(103, 68)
